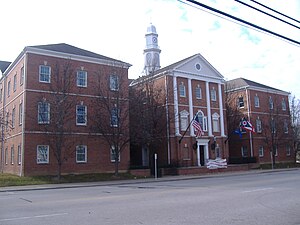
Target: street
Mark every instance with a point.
(252, 199)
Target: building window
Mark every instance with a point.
(12, 155)
(184, 120)
(43, 112)
(22, 75)
(13, 117)
(114, 82)
(21, 113)
(273, 126)
(15, 83)
(182, 90)
(42, 156)
(244, 151)
(271, 103)
(285, 127)
(202, 120)
(81, 78)
(81, 115)
(81, 154)
(8, 89)
(216, 122)
(213, 94)
(114, 120)
(7, 120)
(44, 74)
(241, 102)
(256, 101)
(198, 92)
(114, 154)
(258, 126)
(288, 151)
(19, 154)
(261, 151)
(283, 104)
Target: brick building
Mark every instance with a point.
(268, 111)
(50, 100)
(185, 88)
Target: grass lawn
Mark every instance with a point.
(14, 180)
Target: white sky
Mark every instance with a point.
(117, 29)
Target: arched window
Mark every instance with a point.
(202, 120)
(216, 122)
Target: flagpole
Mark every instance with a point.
(187, 128)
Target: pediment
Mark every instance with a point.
(197, 65)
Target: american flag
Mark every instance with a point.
(196, 124)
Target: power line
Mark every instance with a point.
(244, 21)
(252, 7)
(275, 11)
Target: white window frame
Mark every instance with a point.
(114, 117)
(79, 148)
(12, 155)
(285, 127)
(182, 92)
(216, 122)
(46, 76)
(81, 78)
(258, 126)
(8, 88)
(283, 104)
(112, 157)
(15, 83)
(243, 150)
(256, 101)
(198, 92)
(81, 115)
(213, 94)
(13, 117)
(19, 154)
(114, 82)
(22, 75)
(45, 113)
(42, 154)
(203, 120)
(20, 113)
(261, 151)
(184, 120)
(271, 103)
(6, 156)
(241, 103)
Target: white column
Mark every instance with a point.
(221, 109)
(176, 115)
(191, 105)
(208, 109)
(206, 153)
(198, 154)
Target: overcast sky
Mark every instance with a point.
(117, 29)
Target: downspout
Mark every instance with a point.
(2, 127)
(248, 112)
(167, 116)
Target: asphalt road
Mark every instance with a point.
(252, 199)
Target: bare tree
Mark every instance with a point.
(276, 127)
(148, 120)
(56, 114)
(295, 123)
(5, 128)
(112, 111)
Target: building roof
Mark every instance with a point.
(69, 49)
(4, 65)
(240, 83)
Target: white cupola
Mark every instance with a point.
(152, 51)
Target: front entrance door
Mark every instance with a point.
(202, 155)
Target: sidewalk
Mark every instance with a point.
(137, 181)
